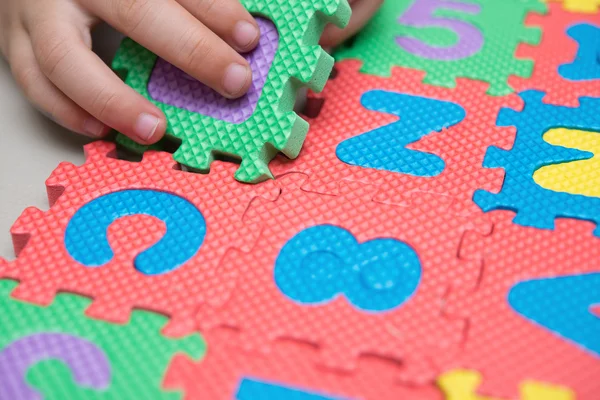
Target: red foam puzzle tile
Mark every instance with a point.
(556, 48)
(505, 347)
(416, 334)
(44, 266)
(461, 146)
(290, 364)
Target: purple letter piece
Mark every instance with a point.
(87, 362)
(420, 15)
(170, 85)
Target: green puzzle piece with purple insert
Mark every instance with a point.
(262, 123)
(57, 352)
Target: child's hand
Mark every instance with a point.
(362, 11)
(48, 46)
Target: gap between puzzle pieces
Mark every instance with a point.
(46, 265)
(58, 352)
(555, 49)
(290, 372)
(414, 331)
(461, 146)
(290, 369)
(503, 345)
(448, 40)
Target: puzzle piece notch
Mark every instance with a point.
(505, 347)
(39, 237)
(461, 146)
(555, 49)
(273, 126)
(534, 205)
(138, 355)
(463, 384)
(289, 364)
(414, 334)
(435, 26)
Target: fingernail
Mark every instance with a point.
(145, 126)
(93, 127)
(235, 78)
(244, 33)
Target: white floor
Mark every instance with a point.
(31, 146)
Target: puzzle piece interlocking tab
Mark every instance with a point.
(128, 206)
(289, 371)
(59, 352)
(502, 344)
(263, 123)
(327, 268)
(446, 141)
(556, 50)
(535, 205)
(449, 40)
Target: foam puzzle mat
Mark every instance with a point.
(434, 234)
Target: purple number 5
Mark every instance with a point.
(420, 15)
(87, 362)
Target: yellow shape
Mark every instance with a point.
(540, 391)
(580, 6)
(462, 384)
(576, 177)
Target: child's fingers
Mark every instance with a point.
(45, 96)
(362, 11)
(81, 75)
(169, 30)
(228, 19)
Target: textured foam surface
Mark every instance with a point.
(365, 271)
(273, 126)
(502, 345)
(170, 85)
(322, 262)
(385, 148)
(290, 364)
(534, 205)
(555, 49)
(460, 145)
(44, 266)
(416, 334)
(448, 39)
(40, 347)
(562, 304)
(586, 65)
(86, 234)
(577, 177)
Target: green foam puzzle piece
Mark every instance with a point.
(137, 353)
(274, 126)
(438, 25)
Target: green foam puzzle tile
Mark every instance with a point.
(273, 126)
(473, 39)
(58, 351)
